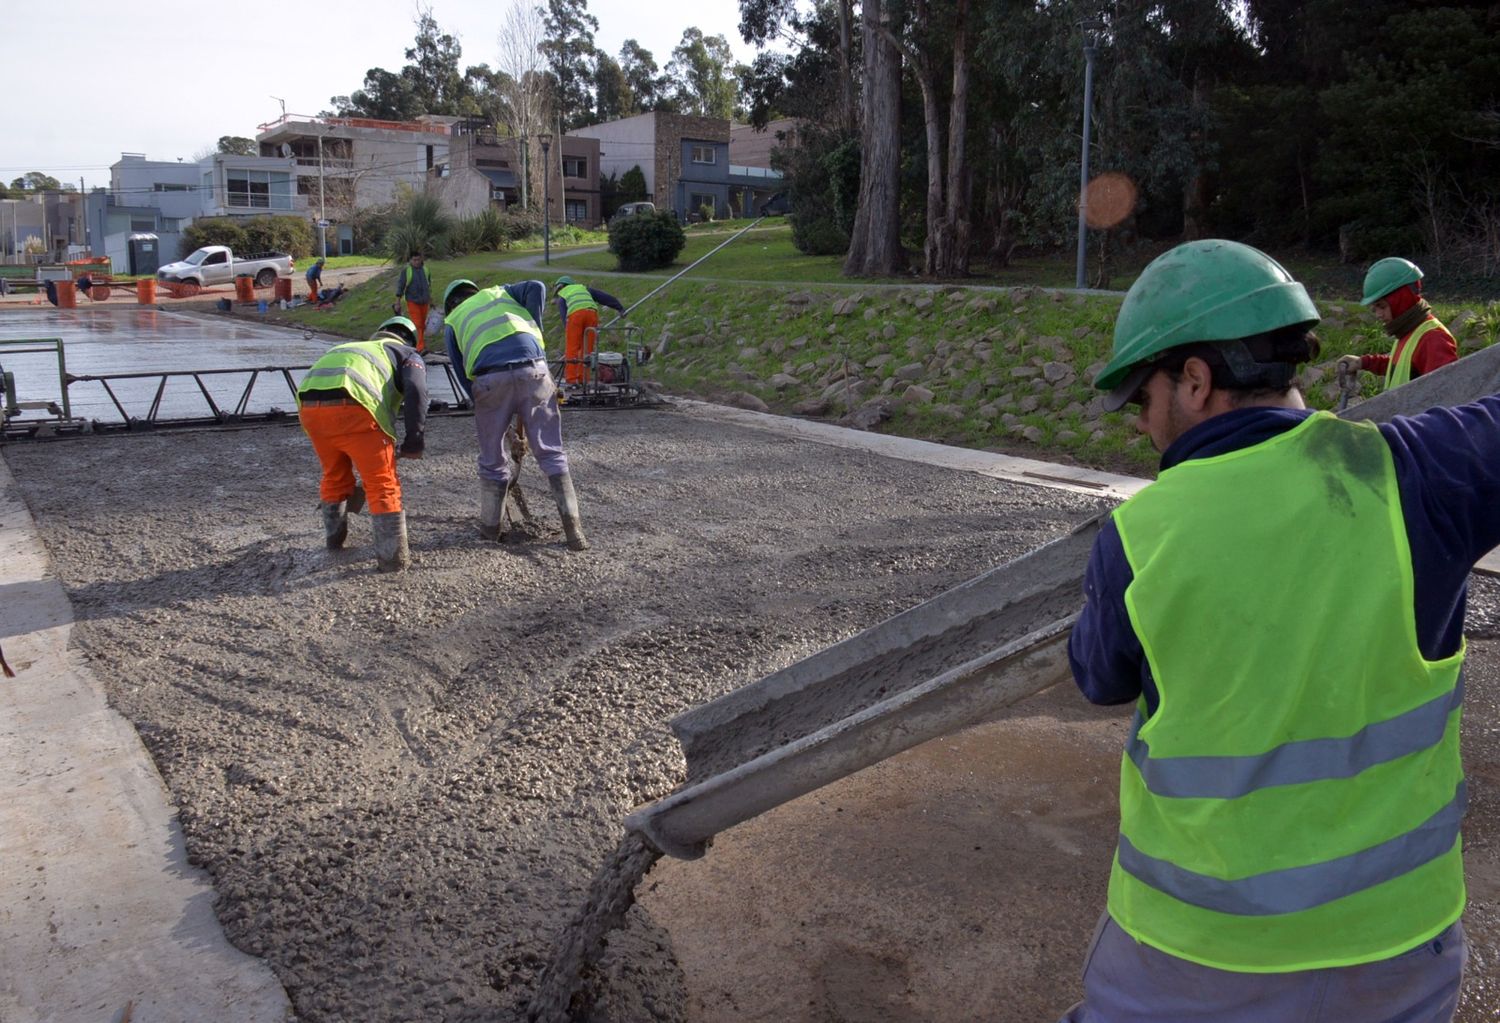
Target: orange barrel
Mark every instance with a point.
(244, 289)
(283, 289)
(145, 292)
(67, 295)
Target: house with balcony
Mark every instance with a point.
(752, 179)
(484, 170)
(685, 159)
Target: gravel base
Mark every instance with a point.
(403, 785)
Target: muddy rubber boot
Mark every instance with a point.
(491, 509)
(391, 551)
(356, 501)
(335, 523)
(567, 507)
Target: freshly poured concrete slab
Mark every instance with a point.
(134, 339)
(104, 919)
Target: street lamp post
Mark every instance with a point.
(1090, 30)
(545, 138)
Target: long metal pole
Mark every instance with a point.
(1083, 166)
(685, 269)
(322, 208)
(546, 206)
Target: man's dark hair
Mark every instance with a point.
(1250, 367)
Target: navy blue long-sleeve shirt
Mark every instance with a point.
(604, 298)
(1448, 473)
(518, 347)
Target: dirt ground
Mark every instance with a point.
(402, 785)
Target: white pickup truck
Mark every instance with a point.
(217, 264)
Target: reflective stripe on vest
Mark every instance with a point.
(487, 317)
(1398, 370)
(363, 369)
(578, 298)
(1294, 802)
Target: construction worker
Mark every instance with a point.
(314, 277)
(494, 340)
(1393, 291)
(348, 403)
(578, 305)
(1284, 605)
(415, 286)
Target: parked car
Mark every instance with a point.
(217, 264)
(630, 209)
(776, 206)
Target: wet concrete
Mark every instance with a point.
(402, 786)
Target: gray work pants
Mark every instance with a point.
(527, 391)
(1125, 981)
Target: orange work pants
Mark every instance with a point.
(418, 315)
(583, 334)
(347, 439)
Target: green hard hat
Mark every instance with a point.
(462, 282)
(564, 281)
(1212, 290)
(1387, 275)
(401, 327)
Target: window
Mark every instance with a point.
(258, 189)
(703, 154)
(167, 186)
(698, 200)
(147, 224)
(575, 167)
(577, 210)
(215, 258)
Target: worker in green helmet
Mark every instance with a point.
(1284, 608)
(1393, 291)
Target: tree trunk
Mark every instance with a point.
(875, 242)
(938, 247)
(846, 74)
(955, 237)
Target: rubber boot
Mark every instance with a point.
(356, 501)
(567, 507)
(335, 523)
(391, 551)
(491, 509)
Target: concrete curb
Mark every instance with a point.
(104, 919)
(987, 463)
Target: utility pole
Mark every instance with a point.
(322, 207)
(1089, 29)
(545, 138)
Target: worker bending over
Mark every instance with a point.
(494, 339)
(578, 305)
(348, 403)
(1284, 605)
(415, 286)
(1393, 291)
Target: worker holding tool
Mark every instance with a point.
(314, 277)
(348, 403)
(1393, 291)
(415, 286)
(578, 305)
(494, 339)
(1284, 605)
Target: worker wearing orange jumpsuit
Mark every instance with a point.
(578, 305)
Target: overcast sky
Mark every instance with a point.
(168, 79)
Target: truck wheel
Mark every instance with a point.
(189, 288)
(265, 278)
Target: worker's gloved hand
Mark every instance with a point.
(396, 308)
(1349, 364)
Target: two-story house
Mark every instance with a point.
(685, 159)
(485, 169)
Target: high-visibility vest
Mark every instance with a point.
(487, 317)
(406, 277)
(1294, 802)
(578, 298)
(1398, 370)
(363, 369)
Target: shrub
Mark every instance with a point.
(249, 235)
(421, 224)
(646, 241)
(706, 212)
